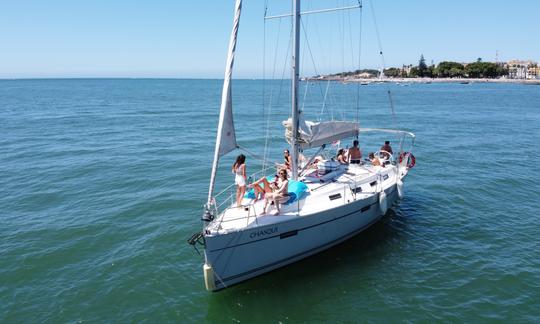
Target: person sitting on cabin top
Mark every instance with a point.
(386, 150)
(280, 194)
(267, 187)
(340, 157)
(287, 159)
(354, 154)
(374, 160)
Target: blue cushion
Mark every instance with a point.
(297, 190)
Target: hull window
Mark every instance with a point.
(288, 234)
(334, 197)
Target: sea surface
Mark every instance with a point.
(102, 181)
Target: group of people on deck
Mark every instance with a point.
(354, 155)
(275, 192)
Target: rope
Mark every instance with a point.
(377, 33)
(269, 110)
(264, 64)
(394, 119)
(309, 50)
(255, 156)
(324, 99)
(359, 64)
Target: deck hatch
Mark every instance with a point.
(385, 177)
(334, 197)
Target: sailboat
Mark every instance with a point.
(329, 202)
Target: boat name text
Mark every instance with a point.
(265, 232)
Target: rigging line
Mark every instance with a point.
(377, 32)
(342, 34)
(285, 65)
(359, 63)
(280, 88)
(309, 50)
(264, 68)
(253, 155)
(305, 96)
(324, 99)
(350, 37)
(392, 108)
(302, 59)
(394, 119)
(270, 103)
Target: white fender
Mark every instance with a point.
(400, 189)
(383, 204)
(209, 277)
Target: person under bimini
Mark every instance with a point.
(374, 160)
(239, 170)
(279, 194)
(386, 149)
(340, 157)
(354, 154)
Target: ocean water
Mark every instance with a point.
(103, 180)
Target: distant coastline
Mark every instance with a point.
(514, 71)
(423, 80)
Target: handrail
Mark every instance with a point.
(229, 188)
(219, 207)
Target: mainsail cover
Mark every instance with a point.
(314, 134)
(226, 137)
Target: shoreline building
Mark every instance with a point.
(522, 69)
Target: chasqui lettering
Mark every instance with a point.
(264, 232)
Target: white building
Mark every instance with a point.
(522, 69)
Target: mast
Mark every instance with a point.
(294, 92)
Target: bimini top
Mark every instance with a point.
(315, 134)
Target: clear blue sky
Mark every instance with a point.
(187, 39)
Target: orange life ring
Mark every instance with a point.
(411, 160)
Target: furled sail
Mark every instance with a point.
(226, 137)
(315, 134)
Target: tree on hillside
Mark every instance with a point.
(447, 69)
(422, 66)
(484, 70)
(392, 72)
(414, 73)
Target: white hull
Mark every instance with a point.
(250, 252)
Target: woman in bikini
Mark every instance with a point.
(280, 194)
(340, 157)
(239, 170)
